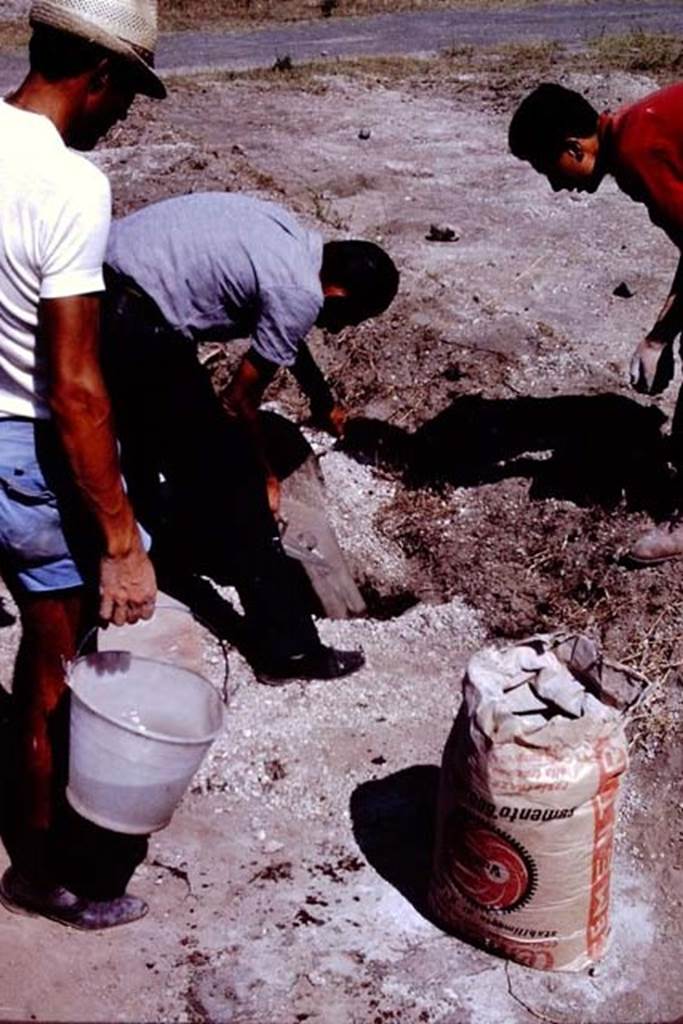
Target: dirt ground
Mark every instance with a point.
(497, 468)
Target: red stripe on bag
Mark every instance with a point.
(610, 762)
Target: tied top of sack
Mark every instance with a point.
(547, 691)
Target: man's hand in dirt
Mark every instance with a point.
(332, 420)
(128, 587)
(273, 489)
(652, 366)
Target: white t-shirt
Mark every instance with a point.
(55, 210)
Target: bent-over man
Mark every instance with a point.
(641, 146)
(223, 266)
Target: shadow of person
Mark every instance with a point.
(382, 445)
(588, 449)
(286, 446)
(393, 822)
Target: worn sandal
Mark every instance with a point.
(56, 903)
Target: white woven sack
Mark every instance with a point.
(527, 802)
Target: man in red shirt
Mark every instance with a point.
(641, 146)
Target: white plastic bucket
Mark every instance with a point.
(139, 731)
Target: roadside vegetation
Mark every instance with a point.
(639, 51)
(660, 54)
(505, 67)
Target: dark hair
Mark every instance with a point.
(55, 54)
(365, 270)
(546, 118)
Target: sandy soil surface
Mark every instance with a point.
(497, 468)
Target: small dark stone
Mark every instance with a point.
(441, 233)
(283, 63)
(364, 133)
(622, 291)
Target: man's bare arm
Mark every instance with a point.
(669, 323)
(652, 364)
(242, 398)
(325, 411)
(82, 414)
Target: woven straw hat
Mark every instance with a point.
(127, 28)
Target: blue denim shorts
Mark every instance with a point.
(46, 541)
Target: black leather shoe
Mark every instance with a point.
(59, 904)
(320, 663)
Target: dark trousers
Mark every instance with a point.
(211, 514)
(93, 862)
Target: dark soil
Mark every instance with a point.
(522, 503)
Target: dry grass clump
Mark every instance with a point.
(539, 53)
(503, 69)
(313, 76)
(638, 51)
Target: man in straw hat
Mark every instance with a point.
(67, 529)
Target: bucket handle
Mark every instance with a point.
(225, 692)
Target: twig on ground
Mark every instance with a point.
(176, 872)
(539, 1015)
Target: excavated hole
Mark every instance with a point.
(389, 605)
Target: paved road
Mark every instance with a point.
(417, 32)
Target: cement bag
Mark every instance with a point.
(528, 790)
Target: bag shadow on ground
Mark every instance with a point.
(393, 822)
(588, 449)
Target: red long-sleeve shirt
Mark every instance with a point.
(641, 146)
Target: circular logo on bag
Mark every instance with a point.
(490, 868)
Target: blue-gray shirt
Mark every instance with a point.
(222, 265)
